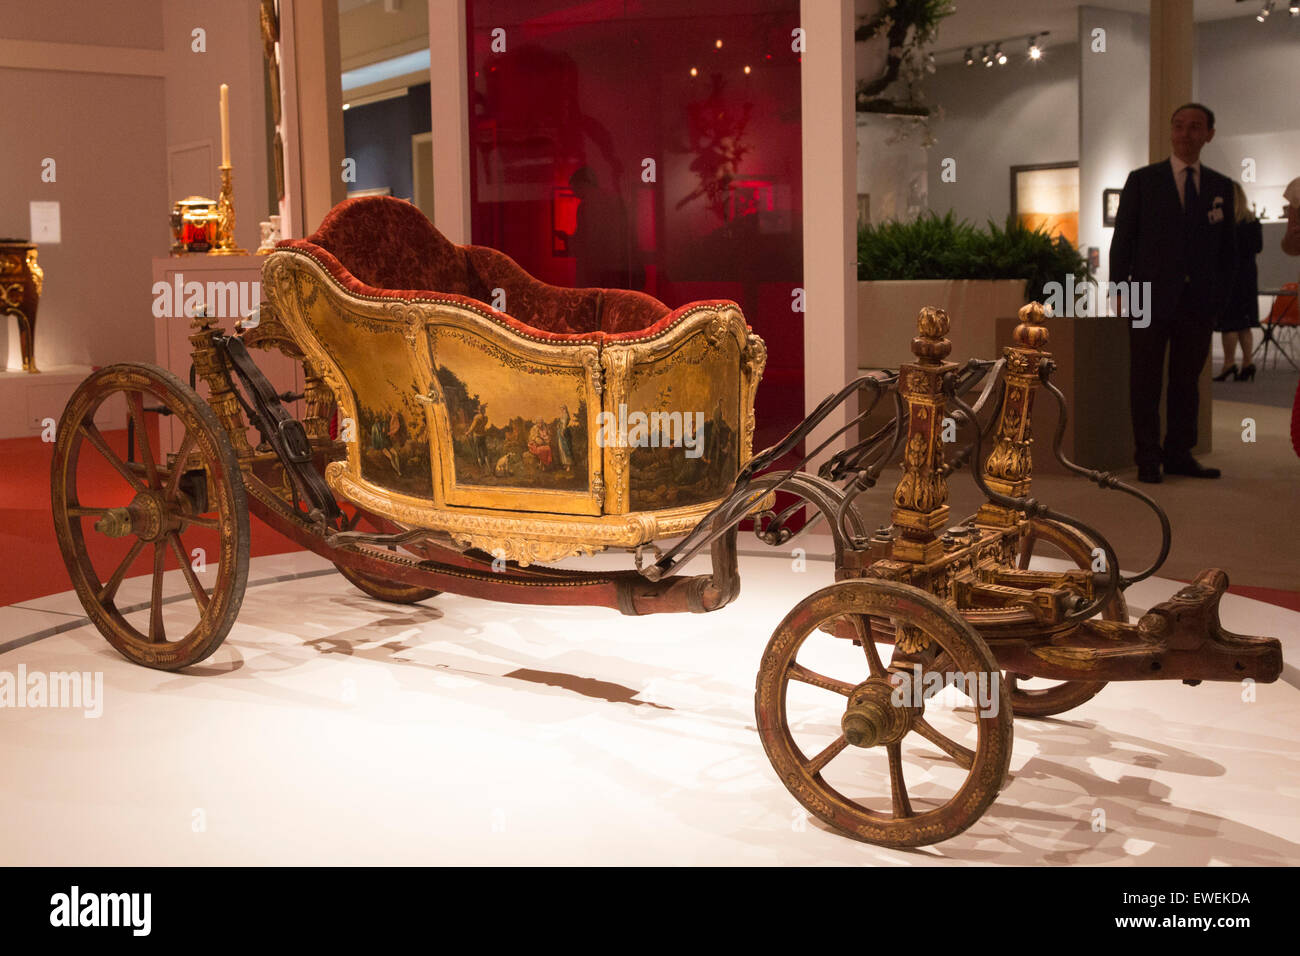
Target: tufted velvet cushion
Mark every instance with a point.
(389, 244)
(382, 247)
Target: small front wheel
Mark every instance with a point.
(835, 718)
(113, 515)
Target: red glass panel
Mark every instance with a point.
(618, 143)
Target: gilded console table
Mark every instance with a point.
(21, 280)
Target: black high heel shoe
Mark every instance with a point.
(1231, 372)
(1246, 374)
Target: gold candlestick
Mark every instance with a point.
(226, 217)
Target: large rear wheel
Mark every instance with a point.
(113, 516)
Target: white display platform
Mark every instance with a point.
(334, 729)
(28, 398)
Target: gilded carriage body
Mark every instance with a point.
(465, 445)
(621, 423)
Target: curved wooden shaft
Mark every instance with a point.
(625, 591)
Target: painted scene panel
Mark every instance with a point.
(514, 423)
(691, 401)
(391, 429)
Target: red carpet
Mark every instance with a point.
(32, 562)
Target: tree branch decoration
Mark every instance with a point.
(716, 132)
(909, 25)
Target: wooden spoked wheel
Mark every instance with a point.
(1034, 697)
(839, 723)
(379, 588)
(112, 516)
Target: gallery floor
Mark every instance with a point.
(331, 728)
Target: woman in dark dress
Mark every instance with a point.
(1242, 313)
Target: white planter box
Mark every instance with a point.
(887, 316)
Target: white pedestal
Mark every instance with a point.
(28, 401)
(172, 333)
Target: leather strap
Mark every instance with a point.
(284, 433)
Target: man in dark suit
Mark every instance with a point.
(1174, 229)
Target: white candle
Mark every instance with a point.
(225, 125)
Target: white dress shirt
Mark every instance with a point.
(1180, 177)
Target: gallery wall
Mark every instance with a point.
(1247, 73)
(1030, 113)
(378, 136)
(115, 93)
(1113, 113)
(84, 84)
(232, 55)
(999, 117)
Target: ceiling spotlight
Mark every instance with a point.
(746, 69)
(718, 44)
(694, 72)
(1263, 14)
(1000, 56)
(986, 58)
(1035, 51)
(1294, 9)
(970, 57)
(347, 106)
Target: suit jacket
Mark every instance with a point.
(1156, 242)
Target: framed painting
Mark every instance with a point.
(1046, 196)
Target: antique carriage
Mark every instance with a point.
(449, 444)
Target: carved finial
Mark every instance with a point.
(1030, 333)
(932, 343)
(200, 321)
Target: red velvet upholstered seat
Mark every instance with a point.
(381, 247)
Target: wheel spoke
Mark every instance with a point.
(200, 595)
(100, 445)
(818, 763)
(135, 405)
(84, 511)
(109, 590)
(174, 480)
(897, 788)
(797, 671)
(199, 520)
(866, 634)
(964, 756)
(156, 632)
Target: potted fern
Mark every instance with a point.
(978, 275)
(982, 277)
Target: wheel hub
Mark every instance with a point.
(873, 717)
(146, 517)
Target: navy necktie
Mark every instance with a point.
(1190, 196)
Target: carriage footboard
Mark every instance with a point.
(1178, 639)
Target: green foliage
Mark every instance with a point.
(942, 247)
